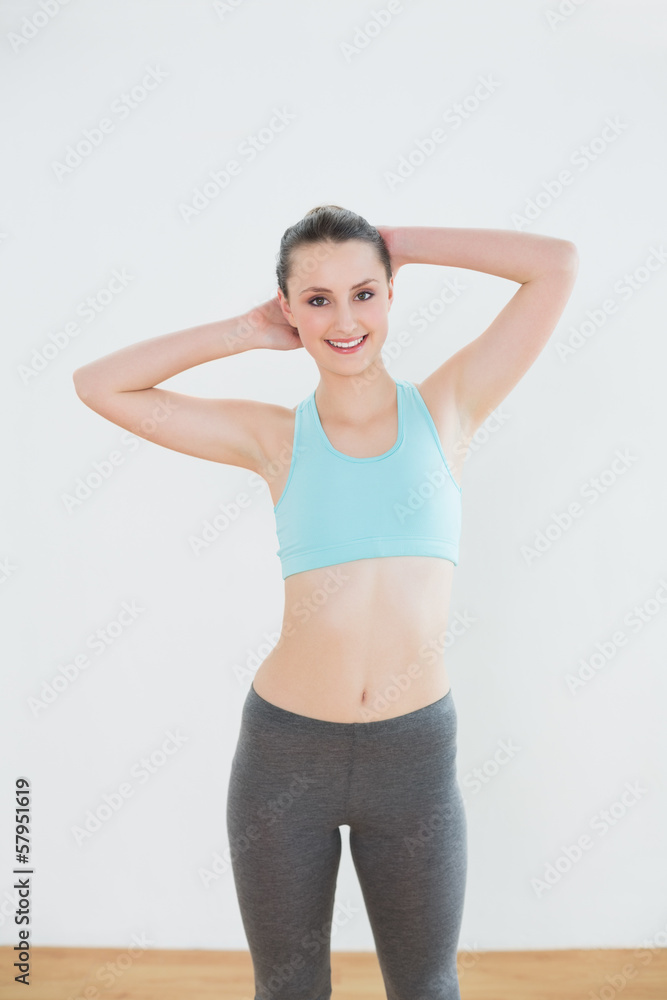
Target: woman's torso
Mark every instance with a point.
(362, 640)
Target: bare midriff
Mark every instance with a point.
(361, 641)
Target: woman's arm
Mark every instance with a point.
(482, 373)
(122, 388)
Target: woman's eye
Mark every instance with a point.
(321, 298)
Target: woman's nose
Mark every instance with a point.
(345, 321)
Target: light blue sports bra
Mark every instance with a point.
(336, 508)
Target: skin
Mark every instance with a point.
(338, 659)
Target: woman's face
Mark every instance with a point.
(339, 292)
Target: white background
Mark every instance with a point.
(185, 663)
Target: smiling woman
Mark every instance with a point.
(353, 311)
(350, 719)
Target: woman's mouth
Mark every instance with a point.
(347, 346)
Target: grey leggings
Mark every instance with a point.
(294, 780)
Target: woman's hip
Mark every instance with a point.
(297, 756)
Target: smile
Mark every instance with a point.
(346, 346)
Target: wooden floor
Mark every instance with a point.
(112, 974)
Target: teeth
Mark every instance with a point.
(352, 343)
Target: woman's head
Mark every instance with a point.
(326, 223)
(335, 283)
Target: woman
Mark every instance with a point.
(350, 719)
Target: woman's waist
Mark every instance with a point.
(367, 637)
(347, 679)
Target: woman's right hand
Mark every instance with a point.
(268, 328)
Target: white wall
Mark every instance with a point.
(185, 663)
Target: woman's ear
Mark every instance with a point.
(284, 305)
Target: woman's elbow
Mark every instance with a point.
(570, 255)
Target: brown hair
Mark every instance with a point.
(327, 223)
